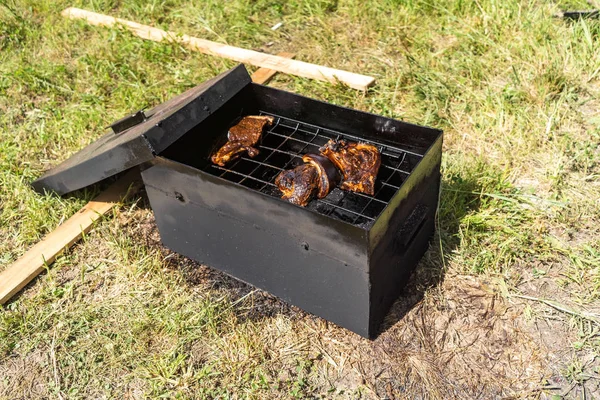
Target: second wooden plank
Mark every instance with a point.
(33, 262)
(264, 75)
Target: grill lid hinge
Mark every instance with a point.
(128, 121)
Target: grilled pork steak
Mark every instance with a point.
(241, 138)
(298, 185)
(358, 162)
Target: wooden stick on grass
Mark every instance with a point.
(34, 261)
(276, 63)
(264, 75)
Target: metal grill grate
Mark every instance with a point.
(282, 147)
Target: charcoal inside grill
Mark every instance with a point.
(353, 201)
(384, 192)
(389, 178)
(266, 173)
(282, 147)
(273, 141)
(230, 176)
(252, 183)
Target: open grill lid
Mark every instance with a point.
(138, 138)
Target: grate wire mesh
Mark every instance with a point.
(281, 148)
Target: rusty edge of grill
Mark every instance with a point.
(359, 210)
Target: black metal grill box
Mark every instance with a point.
(345, 257)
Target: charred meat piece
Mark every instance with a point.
(358, 162)
(298, 185)
(249, 129)
(241, 138)
(328, 175)
(315, 178)
(231, 151)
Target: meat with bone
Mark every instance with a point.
(298, 185)
(358, 162)
(317, 177)
(241, 138)
(328, 175)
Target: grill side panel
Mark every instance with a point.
(402, 234)
(304, 258)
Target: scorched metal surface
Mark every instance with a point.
(345, 257)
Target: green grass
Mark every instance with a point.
(517, 93)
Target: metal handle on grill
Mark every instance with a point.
(411, 226)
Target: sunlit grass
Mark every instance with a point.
(516, 91)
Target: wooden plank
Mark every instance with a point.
(277, 63)
(35, 260)
(264, 75)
